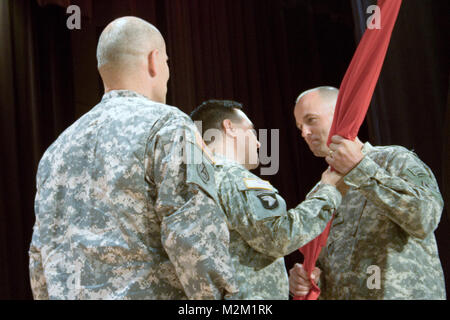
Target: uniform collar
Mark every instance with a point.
(222, 160)
(122, 94)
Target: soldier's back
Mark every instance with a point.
(99, 233)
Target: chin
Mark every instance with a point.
(251, 166)
(319, 153)
(315, 152)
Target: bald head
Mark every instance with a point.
(326, 95)
(127, 40)
(131, 55)
(314, 110)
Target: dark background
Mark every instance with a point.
(262, 53)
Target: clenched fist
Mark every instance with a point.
(299, 283)
(344, 154)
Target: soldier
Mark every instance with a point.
(120, 211)
(382, 243)
(262, 230)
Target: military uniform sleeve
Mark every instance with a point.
(267, 226)
(37, 277)
(194, 232)
(410, 198)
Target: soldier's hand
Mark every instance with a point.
(330, 177)
(344, 154)
(299, 283)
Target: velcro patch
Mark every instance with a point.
(257, 184)
(203, 147)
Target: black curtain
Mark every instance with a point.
(36, 105)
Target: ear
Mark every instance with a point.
(228, 128)
(153, 63)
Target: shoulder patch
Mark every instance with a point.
(268, 200)
(203, 172)
(257, 184)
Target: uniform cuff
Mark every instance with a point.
(362, 173)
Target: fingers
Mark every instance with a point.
(299, 272)
(333, 146)
(337, 139)
(299, 290)
(299, 284)
(335, 164)
(316, 274)
(299, 276)
(328, 171)
(331, 161)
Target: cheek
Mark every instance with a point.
(323, 128)
(326, 130)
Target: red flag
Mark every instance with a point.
(353, 101)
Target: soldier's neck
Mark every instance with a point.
(136, 84)
(224, 149)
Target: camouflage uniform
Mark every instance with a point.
(119, 213)
(387, 220)
(262, 231)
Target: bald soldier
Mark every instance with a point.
(382, 243)
(121, 211)
(262, 229)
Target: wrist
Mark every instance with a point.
(356, 162)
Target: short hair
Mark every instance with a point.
(325, 92)
(212, 113)
(125, 39)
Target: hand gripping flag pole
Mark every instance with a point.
(353, 101)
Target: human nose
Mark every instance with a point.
(255, 136)
(305, 131)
